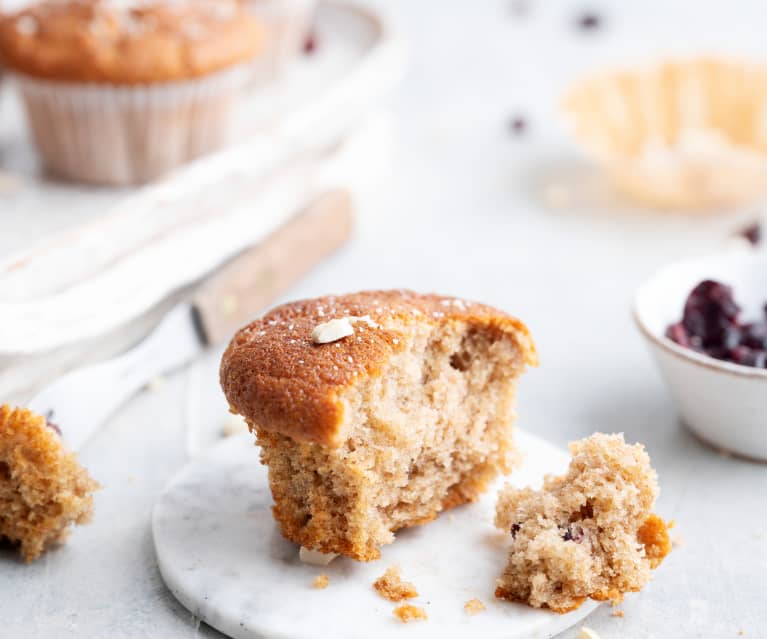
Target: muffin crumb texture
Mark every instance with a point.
(474, 606)
(43, 489)
(390, 586)
(321, 582)
(407, 613)
(383, 429)
(588, 533)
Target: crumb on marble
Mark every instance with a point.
(474, 606)
(618, 613)
(390, 586)
(407, 613)
(321, 582)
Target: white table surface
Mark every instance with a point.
(464, 215)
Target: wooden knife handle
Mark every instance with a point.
(253, 279)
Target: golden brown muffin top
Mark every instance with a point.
(128, 42)
(275, 376)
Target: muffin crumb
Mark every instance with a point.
(390, 586)
(43, 489)
(474, 606)
(407, 613)
(590, 533)
(321, 582)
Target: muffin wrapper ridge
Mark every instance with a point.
(687, 135)
(124, 135)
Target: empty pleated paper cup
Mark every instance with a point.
(683, 135)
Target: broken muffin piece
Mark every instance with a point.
(588, 533)
(43, 490)
(383, 427)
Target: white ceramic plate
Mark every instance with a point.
(222, 556)
(724, 403)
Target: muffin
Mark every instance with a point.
(681, 135)
(376, 411)
(588, 533)
(118, 93)
(43, 489)
(289, 23)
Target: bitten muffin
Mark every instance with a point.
(588, 533)
(121, 92)
(407, 413)
(43, 489)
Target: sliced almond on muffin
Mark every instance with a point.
(382, 428)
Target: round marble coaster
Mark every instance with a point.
(222, 556)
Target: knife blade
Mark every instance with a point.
(81, 401)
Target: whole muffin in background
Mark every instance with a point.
(120, 92)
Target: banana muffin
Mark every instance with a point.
(121, 91)
(588, 533)
(377, 410)
(43, 489)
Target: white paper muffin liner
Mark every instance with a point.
(124, 135)
(289, 23)
(687, 135)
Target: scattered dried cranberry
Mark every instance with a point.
(753, 233)
(53, 427)
(711, 325)
(589, 21)
(518, 125)
(514, 530)
(310, 44)
(574, 533)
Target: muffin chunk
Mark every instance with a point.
(588, 533)
(404, 409)
(43, 490)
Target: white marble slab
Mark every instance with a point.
(221, 554)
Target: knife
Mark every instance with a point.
(81, 401)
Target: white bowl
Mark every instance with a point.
(724, 403)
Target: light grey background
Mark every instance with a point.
(464, 215)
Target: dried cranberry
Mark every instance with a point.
(514, 530)
(755, 335)
(310, 44)
(753, 233)
(589, 21)
(749, 357)
(518, 125)
(710, 313)
(53, 427)
(573, 533)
